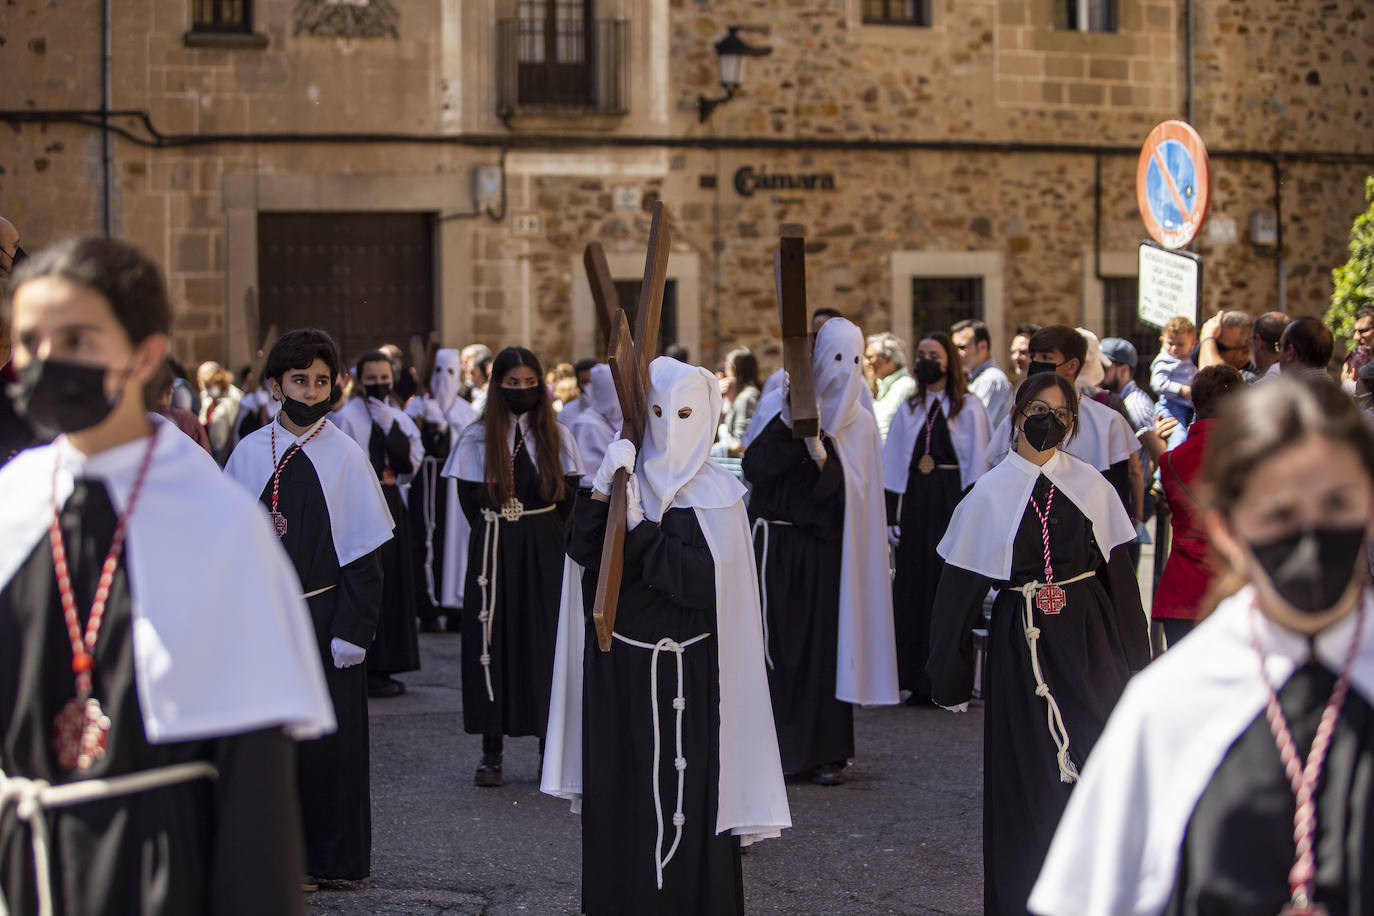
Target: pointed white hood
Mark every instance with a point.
(837, 368)
(446, 378)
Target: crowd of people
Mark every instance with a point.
(948, 531)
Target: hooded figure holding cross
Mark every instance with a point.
(666, 742)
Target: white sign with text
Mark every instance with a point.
(1170, 283)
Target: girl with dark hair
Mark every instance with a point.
(740, 392)
(518, 473)
(1236, 774)
(934, 451)
(1067, 629)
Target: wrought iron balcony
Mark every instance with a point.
(567, 67)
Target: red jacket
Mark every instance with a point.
(1189, 570)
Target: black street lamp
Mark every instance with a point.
(730, 54)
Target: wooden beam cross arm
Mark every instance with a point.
(603, 288)
(789, 271)
(629, 359)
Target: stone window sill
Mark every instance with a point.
(231, 41)
(544, 121)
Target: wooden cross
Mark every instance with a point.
(603, 288)
(629, 358)
(789, 271)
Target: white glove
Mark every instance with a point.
(346, 655)
(787, 398)
(634, 506)
(380, 414)
(815, 448)
(894, 534)
(433, 414)
(619, 454)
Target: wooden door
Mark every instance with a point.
(555, 38)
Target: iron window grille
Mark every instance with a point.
(232, 16)
(896, 12)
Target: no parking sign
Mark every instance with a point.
(1172, 183)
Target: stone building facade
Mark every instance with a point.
(947, 157)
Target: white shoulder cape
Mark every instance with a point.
(358, 515)
(467, 461)
(752, 797)
(980, 534)
(216, 652)
(1117, 847)
(969, 432)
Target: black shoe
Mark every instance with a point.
(488, 774)
(828, 774)
(453, 622)
(430, 625)
(309, 884)
(380, 685)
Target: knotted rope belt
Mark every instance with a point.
(1054, 719)
(491, 542)
(679, 761)
(33, 797)
(762, 524)
(429, 475)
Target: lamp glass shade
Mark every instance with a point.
(731, 70)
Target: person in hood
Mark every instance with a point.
(146, 711)
(517, 474)
(392, 441)
(819, 537)
(1235, 775)
(439, 530)
(667, 740)
(1067, 629)
(598, 425)
(934, 452)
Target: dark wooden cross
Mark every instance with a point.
(629, 358)
(789, 271)
(603, 288)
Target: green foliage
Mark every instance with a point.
(1354, 280)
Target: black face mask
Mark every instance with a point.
(1043, 432)
(928, 371)
(520, 400)
(378, 390)
(303, 414)
(1040, 365)
(1313, 567)
(56, 397)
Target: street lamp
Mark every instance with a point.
(730, 54)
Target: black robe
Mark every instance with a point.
(397, 644)
(1239, 845)
(802, 592)
(529, 581)
(1087, 653)
(667, 590)
(925, 511)
(231, 846)
(437, 447)
(333, 775)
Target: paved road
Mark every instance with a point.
(903, 835)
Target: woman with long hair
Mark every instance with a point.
(934, 451)
(1067, 629)
(1236, 774)
(517, 474)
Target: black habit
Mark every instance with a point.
(335, 791)
(668, 590)
(397, 644)
(1087, 653)
(923, 512)
(428, 508)
(169, 851)
(804, 507)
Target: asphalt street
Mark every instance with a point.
(902, 835)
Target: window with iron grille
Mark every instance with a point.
(1121, 318)
(896, 12)
(937, 303)
(221, 15)
(1086, 15)
(555, 55)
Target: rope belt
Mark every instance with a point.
(32, 797)
(491, 542)
(319, 591)
(1054, 719)
(679, 761)
(429, 475)
(762, 524)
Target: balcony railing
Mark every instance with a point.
(568, 67)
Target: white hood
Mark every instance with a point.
(446, 378)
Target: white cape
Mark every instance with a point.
(453, 565)
(218, 649)
(968, 432)
(358, 515)
(354, 419)
(979, 536)
(1117, 847)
